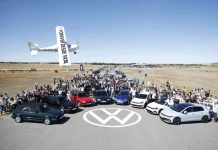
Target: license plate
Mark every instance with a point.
(103, 101)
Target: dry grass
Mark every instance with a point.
(190, 78)
(14, 82)
(43, 66)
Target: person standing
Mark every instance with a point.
(215, 107)
(2, 104)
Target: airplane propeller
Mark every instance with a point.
(77, 45)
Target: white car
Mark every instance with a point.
(140, 100)
(157, 106)
(185, 112)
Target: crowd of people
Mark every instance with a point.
(112, 84)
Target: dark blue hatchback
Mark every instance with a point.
(123, 97)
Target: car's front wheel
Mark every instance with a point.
(47, 121)
(204, 119)
(159, 111)
(145, 105)
(176, 121)
(18, 119)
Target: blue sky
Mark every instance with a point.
(141, 31)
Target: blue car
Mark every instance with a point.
(123, 97)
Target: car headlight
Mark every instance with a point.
(108, 99)
(98, 99)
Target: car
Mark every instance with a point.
(60, 102)
(123, 97)
(37, 112)
(157, 106)
(81, 98)
(140, 100)
(185, 112)
(102, 97)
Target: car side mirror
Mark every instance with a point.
(185, 112)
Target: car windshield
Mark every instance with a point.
(141, 96)
(160, 101)
(124, 93)
(62, 99)
(101, 93)
(45, 108)
(178, 108)
(83, 95)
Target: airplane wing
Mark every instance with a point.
(63, 52)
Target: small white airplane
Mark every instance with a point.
(62, 47)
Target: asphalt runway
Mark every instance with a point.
(73, 132)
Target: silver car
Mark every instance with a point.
(185, 112)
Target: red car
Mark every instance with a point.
(81, 98)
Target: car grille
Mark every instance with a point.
(150, 107)
(137, 102)
(164, 115)
(165, 119)
(150, 111)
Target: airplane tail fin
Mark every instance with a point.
(33, 48)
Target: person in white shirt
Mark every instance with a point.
(2, 104)
(59, 92)
(215, 109)
(149, 84)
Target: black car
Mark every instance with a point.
(102, 97)
(37, 112)
(60, 102)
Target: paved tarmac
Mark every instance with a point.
(73, 132)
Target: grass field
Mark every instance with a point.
(206, 77)
(190, 78)
(14, 82)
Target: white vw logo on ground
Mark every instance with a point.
(98, 121)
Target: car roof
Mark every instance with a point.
(163, 98)
(124, 90)
(187, 104)
(30, 104)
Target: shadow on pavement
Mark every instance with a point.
(63, 120)
(76, 111)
